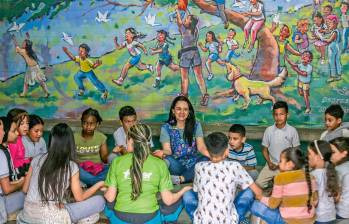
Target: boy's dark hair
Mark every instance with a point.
(329, 6)
(126, 111)
(310, 55)
(238, 128)
(232, 30)
(335, 110)
(216, 143)
(86, 47)
(280, 104)
(345, 3)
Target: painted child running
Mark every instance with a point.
(133, 46)
(165, 58)
(86, 70)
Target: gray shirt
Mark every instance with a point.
(4, 172)
(189, 39)
(343, 176)
(33, 149)
(120, 138)
(33, 192)
(276, 140)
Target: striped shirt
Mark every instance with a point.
(246, 156)
(290, 194)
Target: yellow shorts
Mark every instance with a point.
(303, 86)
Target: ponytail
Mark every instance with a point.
(310, 188)
(141, 135)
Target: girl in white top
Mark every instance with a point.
(133, 46)
(33, 73)
(319, 159)
(340, 149)
(256, 21)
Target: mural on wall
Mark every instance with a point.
(232, 58)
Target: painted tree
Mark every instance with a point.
(265, 65)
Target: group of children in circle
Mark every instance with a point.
(305, 188)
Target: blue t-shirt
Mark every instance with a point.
(212, 47)
(308, 69)
(246, 156)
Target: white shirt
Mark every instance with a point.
(257, 8)
(326, 209)
(276, 140)
(132, 48)
(343, 176)
(216, 184)
(230, 43)
(4, 171)
(120, 138)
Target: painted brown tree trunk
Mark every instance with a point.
(265, 65)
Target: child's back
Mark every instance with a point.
(216, 184)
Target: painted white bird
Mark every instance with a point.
(67, 38)
(150, 20)
(16, 27)
(102, 17)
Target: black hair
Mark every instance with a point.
(194, 22)
(238, 128)
(190, 122)
(214, 39)
(295, 155)
(86, 47)
(335, 110)
(35, 120)
(310, 54)
(91, 112)
(55, 172)
(136, 35)
(168, 38)
(6, 123)
(232, 30)
(329, 6)
(126, 111)
(216, 143)
(29, 50)
(318, 15)
(324, 148)
(280, 104)
(342, 144)
(345, 3)
(17, 115)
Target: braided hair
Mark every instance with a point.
(323, 149)
(295, 155)
(141, 136)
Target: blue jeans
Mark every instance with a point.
(80, 76)
(231, 54)
(334, 60)
(89, 179)
(330, 222)
(345, 38)
(176, 168)
(242, 202)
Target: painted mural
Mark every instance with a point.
(232, 58)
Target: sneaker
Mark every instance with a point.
(105, 95)
(210, 76)
(151, 68)
(176, 180)
(331, 79)
(156, 83)
(322, 61)
(118, 81)
(89, 220)
(307, 111)
(204, 99)
(81, 92)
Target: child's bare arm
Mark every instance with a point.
(96, 64)
(155, 51)
(117, 45)
(204, 49)
(141, 46)
(292, 50)
(179, 19)
(68, 53)
(295, 68)
(331, 38)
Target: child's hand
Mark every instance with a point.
(98, 62)
(200, 44)
(115, 39)
(65, 49)
(187, 188)
(119, 149)
(20, 181)
(272, 166)
(159, 153)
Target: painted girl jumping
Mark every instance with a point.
(33, 73)
(165, 58)
(214, 47)
(133, 46)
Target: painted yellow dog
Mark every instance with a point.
(245, 87)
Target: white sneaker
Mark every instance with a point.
(89, 220)
(210, 76)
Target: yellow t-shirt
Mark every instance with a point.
(86, 65)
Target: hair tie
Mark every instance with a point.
(318, 150)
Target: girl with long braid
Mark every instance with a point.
(165, 58)
(319, 159)
(294, 192)
(135, 179)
